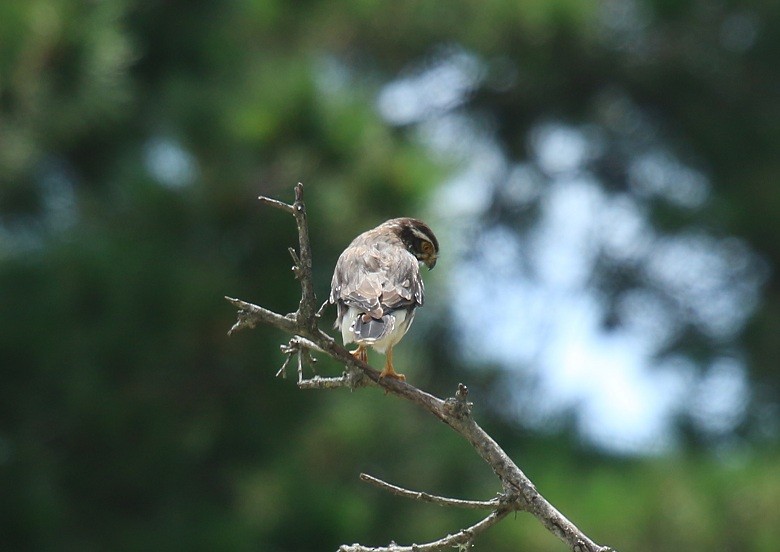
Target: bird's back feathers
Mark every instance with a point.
(376, 278)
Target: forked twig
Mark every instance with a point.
(461, 540)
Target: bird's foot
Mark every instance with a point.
(360, 354)
(388, 372)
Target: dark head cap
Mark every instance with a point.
(418, 238)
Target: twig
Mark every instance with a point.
(325, 304)
(250, 315)
(282, 373)
(462, 539)
(307, 308)
(297, 343)
(301, 347)
(519, 493)
(277, 204)
(433, 499)
(318, 382)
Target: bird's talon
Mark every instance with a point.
(360, 354)
(392, 375)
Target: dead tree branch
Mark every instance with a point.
(461, 540)
(518, 492)
(433, 499)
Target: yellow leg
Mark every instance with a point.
(389, 372)
(360, 353)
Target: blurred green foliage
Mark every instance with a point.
(129, 421)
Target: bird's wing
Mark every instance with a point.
(403, 285)
(376, 279)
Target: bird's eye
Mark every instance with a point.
(426, 247)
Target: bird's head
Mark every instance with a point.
(418, 239)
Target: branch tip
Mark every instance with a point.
(322, 308)
(277, 204)
(462, 392)
(458, 406)
(430, 498)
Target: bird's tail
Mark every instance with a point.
(367, 328)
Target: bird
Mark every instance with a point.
(377, 286)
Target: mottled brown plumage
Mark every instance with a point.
(377, 285)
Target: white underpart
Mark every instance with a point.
(399, 324)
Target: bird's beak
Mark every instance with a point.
(430, 264)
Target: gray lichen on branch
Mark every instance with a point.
(519, 493)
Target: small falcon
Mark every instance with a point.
(377, 286)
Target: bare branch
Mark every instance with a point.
(322, 308)
(297, 343)
(307, 308)
(462, 539)
(433, 499)
(283, 370)
(276, 204)
(301, 348)
(519, 493)
(318, 382)
(250, 315)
